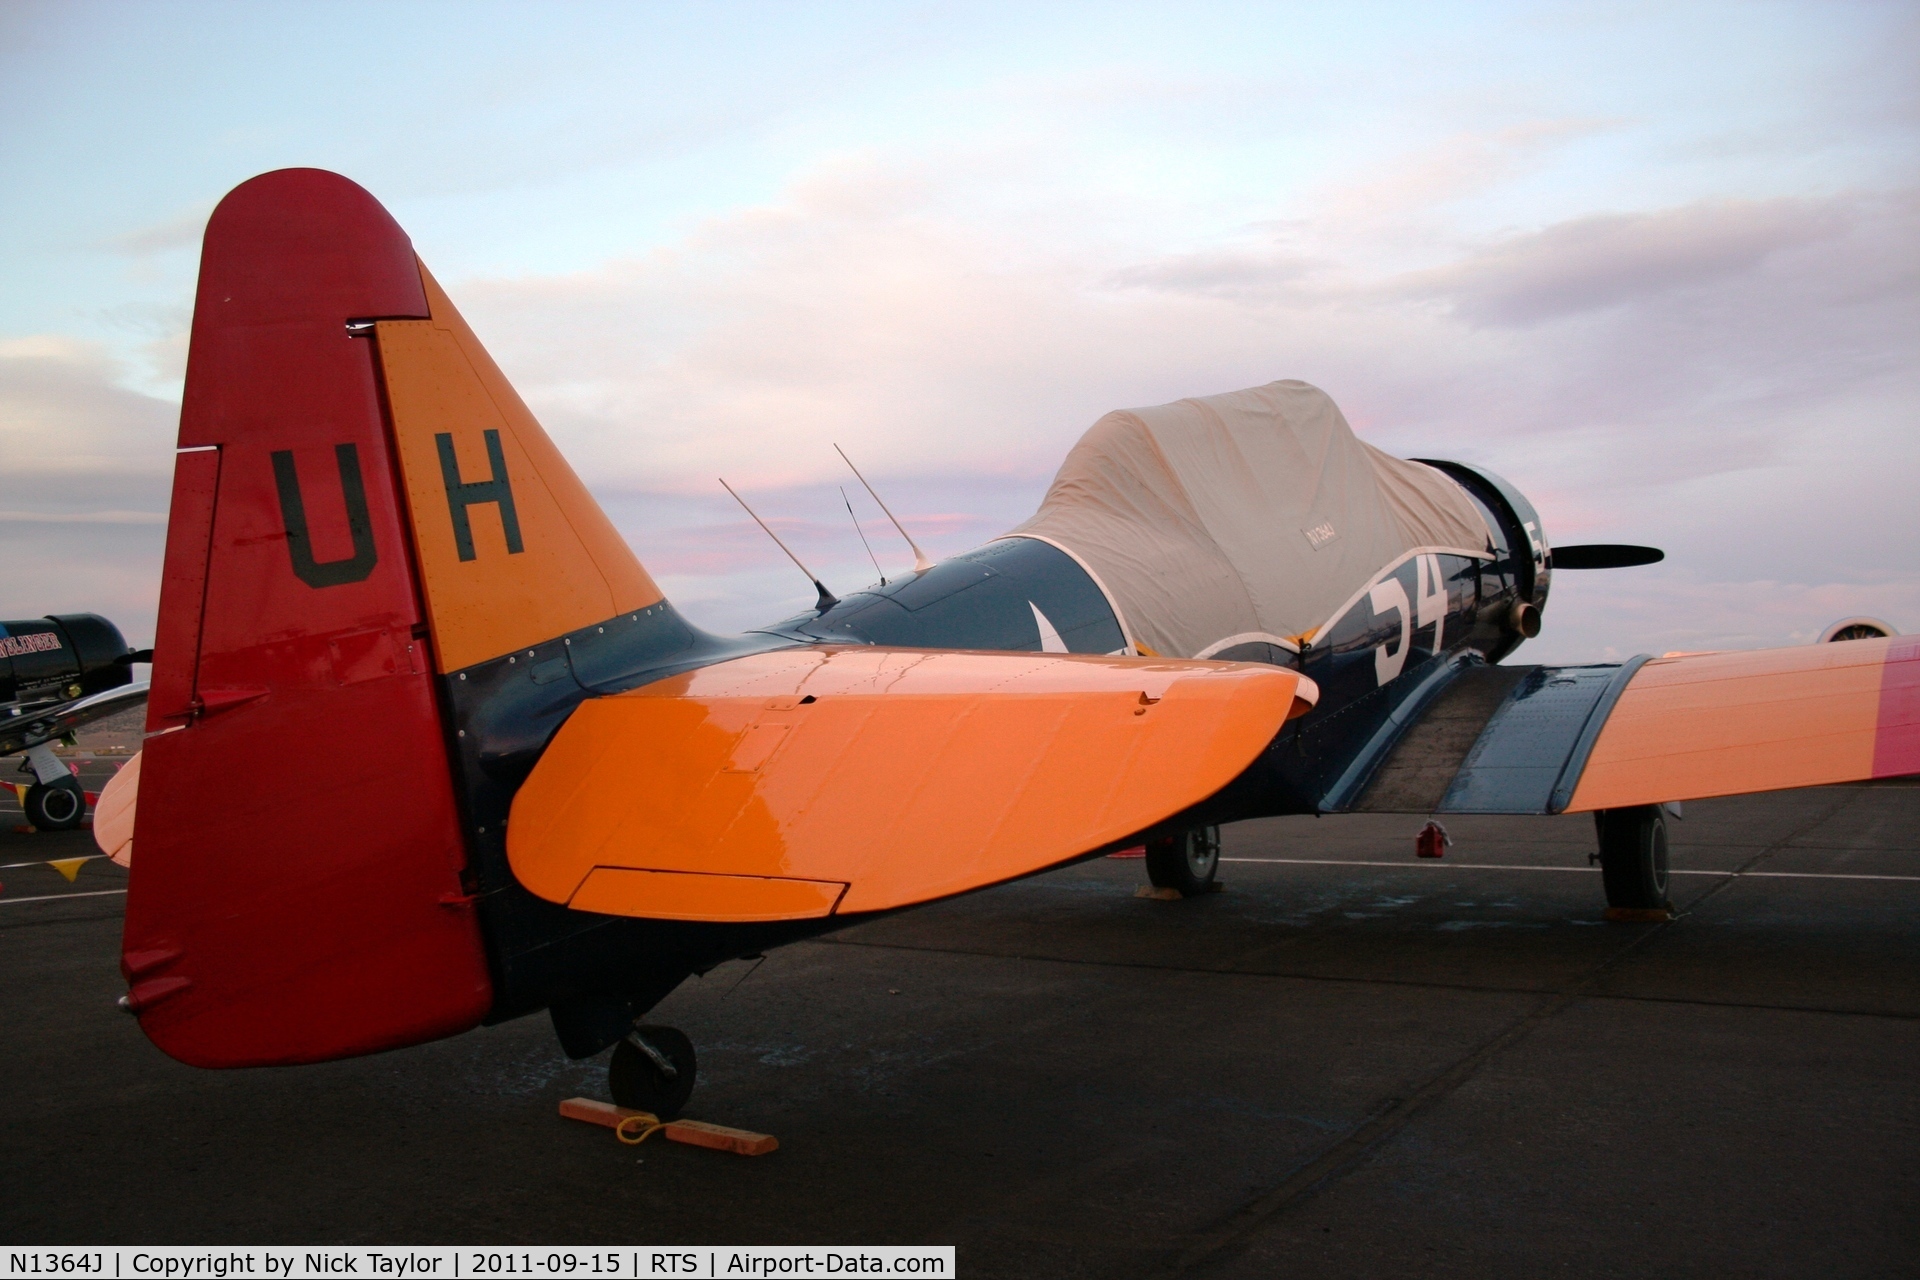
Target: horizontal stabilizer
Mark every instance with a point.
(806, 782)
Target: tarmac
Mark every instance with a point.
(1348, 1063)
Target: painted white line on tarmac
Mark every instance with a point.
(1796, 875)
(60, 897)
(1423, 863)
(42, 862)
(1439, 864)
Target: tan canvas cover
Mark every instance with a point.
(1253, 514)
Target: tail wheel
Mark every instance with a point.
(1633, 856)
(652, 1070)
(57, 805)
(1186, 862)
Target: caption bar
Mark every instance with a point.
(442, 1262)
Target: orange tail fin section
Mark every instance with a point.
(512, 549)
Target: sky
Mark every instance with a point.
(1656, 264)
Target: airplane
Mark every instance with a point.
(57, 674)
(428, 748)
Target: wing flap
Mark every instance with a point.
(766, 783)
(1682, 727)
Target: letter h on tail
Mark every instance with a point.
(461, 495)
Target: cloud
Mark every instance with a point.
(1605, 260)
(84, 489)
(1218, 273)
(85, 517)
(728, 575)
(1731, 380)
(1407, 189)
(857, 313)
(112, 570)
(1644, 611)
(181, 232)
(65, 421)
(864, 313)
(1661, 376)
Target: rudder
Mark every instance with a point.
(298, 894)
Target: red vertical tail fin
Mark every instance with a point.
(298, 891)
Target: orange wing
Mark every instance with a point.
(806, 781)
(1714, 724)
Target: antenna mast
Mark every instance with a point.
(920, 562)
(863, 537)
(827, 598)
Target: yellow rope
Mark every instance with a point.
(652, 1125)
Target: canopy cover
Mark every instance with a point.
(1252, 515)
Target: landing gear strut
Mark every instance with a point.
(1186, 862)
(1633, 856)
(653, 1070)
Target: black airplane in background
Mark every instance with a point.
(57, 674)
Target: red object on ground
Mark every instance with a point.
(299, 895)
(1138, 851)
(1432, 842)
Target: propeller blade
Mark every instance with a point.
(1605, 555)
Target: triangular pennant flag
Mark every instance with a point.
(68, 867)
(20, 791)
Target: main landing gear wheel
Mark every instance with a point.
(1633, 856)
(1186, 862)
(56, 806)
(652, 1070)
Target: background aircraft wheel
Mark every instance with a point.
(652, 1070)
(1186, 862)
(1633, 856)
(56, 806)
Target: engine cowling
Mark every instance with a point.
(1523, 564)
